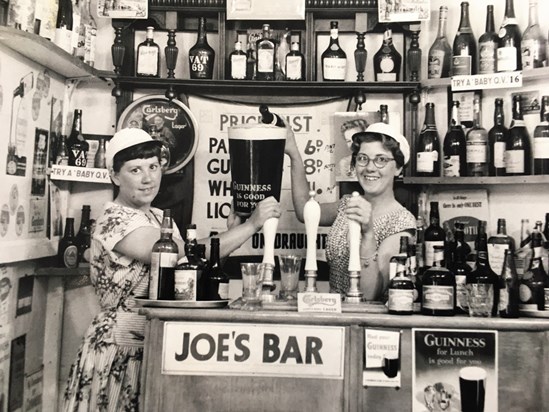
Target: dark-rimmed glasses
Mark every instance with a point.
(379, 161)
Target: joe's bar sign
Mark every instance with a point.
(298, 351)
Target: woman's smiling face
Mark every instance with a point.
(139, 182)
(374, 180)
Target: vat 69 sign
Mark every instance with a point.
(298, 351)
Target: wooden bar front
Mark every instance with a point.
(523, 357)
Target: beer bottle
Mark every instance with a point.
(439, 287)
(77, 145)
(215, 284)
(509, 295)
(67, 253)
(401, 288)
(268, 117)
(163, 260)
(534, 280)
(83, 238)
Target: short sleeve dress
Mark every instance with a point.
(106, 373)
(337, 245)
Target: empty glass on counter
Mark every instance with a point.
(252, 284)
(290, 266)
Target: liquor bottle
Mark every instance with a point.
(477, 144)
(434, 235)
(387, 60)
(517, 151)
(401, 290)
(461, 268)
(237, 62)
(413, 58)
(83, 238)
(509, 48)
(77, 145)
(439, 287)
(509, 292)
(464, 58)
(188, 273)
(534, 43)
(449, 245)
(67, 252)
(534, 279)
(250, 63)
(482, 282)
(215, 284)
(282, 50)
(541, 140)
(163, 261)
(62, 157)
(266, 53)
(384, 113)
(497, 139)
(440, 53)
(454, 146)
(201, 55)
(99, 160)
(63, 26)
(88, 34)
(497, 245)
(420, 244)
(334, 59)
(413, 274)
(148, 56)
(295, 63)
(269, 117)
(428, 145)
(546, 230)
(76, 24)
(488, 45)
(38, 182)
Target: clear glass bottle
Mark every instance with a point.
(509, 292)
(295, 63)
(454, 146)
(88, 34)
(387, 60)
(541, 140)
(401, 290)
(67, 252)
(497, 245)
(533, 44)
(83, 238)
(215, 284)
(477, 144)
(77, 145)
(266, 55)
(201, 55)
(384, 113)
(464, 57)
(488, 45)
(533, 281)
(428, 146)
(334, 59)
(63, 26)
(164, 256)
(518, 153)
(439, 287)
(148, 56)
(434, 234)
(509, 44)
(440, 53)
(237, 63)
(99, 160)
(498, 136)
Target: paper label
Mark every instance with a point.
(541, 147)
(514, 161)
(438, 297)
(334, 68)
(507, 59)
(451, 166)
(499, 155)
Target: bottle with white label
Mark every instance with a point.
(266, 55)
(163, 261)
(237, 62)
(518, 152)
(534, 43)
(428, 146)
(387, 60)
(509, 48)
(541, 140)
(477, 144)
(488, 45)
(401, 289)
(439, 288)
(148, 56)
(497, 244)
(497, 139)
(295, 63)
(440, 53)
(464, 58)
(434, 235)
(455, 161)
(334, 59)
(63, 26)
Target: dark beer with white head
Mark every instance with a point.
(257, 157)
(472, 386)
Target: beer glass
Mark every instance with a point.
(472, 387)
(391, 365)
(252, 284)
(290, 266)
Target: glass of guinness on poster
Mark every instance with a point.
(472, 387)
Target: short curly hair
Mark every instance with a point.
(353, 124)
(387, 141)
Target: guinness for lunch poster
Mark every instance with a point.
(454, 370)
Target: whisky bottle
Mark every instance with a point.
(541, 140)
(439, 287)
(497, 245)
(488, 45)
(237, 63)
(477, 144)
(201, 55)
(250, 63)
(401, 289)
(67, 252)
(434, 235)
(497, 139)
(461, 268)
(295, 63)
(63, 26)
(188, 273)
(464, 59)
(534, 43)
(77, 145)
(387, 60)
(83, 238)
(454, 146)
(215, 284)
(148, 56)
(164, 256)
(518, 152)
(38, 182)
(509, 292)
(266, 53)
(428, 145)
(440, 53)
(535, 279)
(509, 44)
(334, 59)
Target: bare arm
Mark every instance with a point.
(138, 244)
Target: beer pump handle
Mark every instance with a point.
(269, 232)
(311, 215)
(354, 244)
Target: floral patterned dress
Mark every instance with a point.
(107, 371)
(337, 245)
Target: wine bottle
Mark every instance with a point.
(387, 60)
(461, 268)
(509, 292)
(420, 244)
(488, 45)
(517, 152)
(439, 287)
(534, 279)
(67, 252)
(477, 144)
(497, 139)
(266, 53)
(163, 261)
(83, 238)
(148, 56)
(534, 43)
(428, 145)
(464, 58)
(201, 55)
(77, 145)
(334, 59)
(63, 26)
(401, 289)
(99, 160)
(440, 53)
(541, 140)
(414, 275)
(434, 234)
(509, 44)
(215, 284)
(87, 35)
(237, 63)
(250, 63)
(295, 63)
(454, 146)
(497, 245)
(188, 273)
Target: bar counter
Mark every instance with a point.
(523, 358)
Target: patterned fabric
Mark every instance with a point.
(106, 373)
(337, 246)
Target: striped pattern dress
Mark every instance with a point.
(107, 371)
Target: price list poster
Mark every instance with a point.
(454, 370)
(312, 125)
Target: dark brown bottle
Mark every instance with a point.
(461, 268)
(428, 146)
(497, 245)
(518, 153)
(63, 26)
(67, 252)
(77, 145)
(541, 140)
(464, 59)
(509, 45)
(188, 273)
(454, 146)
(269, 117)
(250, 63)
(440, 53)
(266, 56)
(488, 45)
(62, 157)
(148, 56)
(215, 284)
(387, 60)
(164, 256)
(439, 288)
(535, 279)
(401, 289)
(334, 59)
(509, 292)
(434, 235)
(201, 55)
(497, 139)
(83, 238)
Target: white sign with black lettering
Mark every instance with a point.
(501, 80)
(297, 351)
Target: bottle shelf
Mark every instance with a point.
(65, 272)
(79, 174)
(488, 180)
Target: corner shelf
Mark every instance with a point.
(79, 174)
(64, 272)
(488, 180)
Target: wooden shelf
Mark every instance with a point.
(80, 271)
(79, 174)
(46, 53)
(489, 180)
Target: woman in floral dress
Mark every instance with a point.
(107, 371)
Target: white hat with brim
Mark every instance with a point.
(391, 131)
(123, 139)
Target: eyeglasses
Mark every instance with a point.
(379, 161)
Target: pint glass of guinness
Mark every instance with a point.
(257, 156)
(472, 387)
(391, 365)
